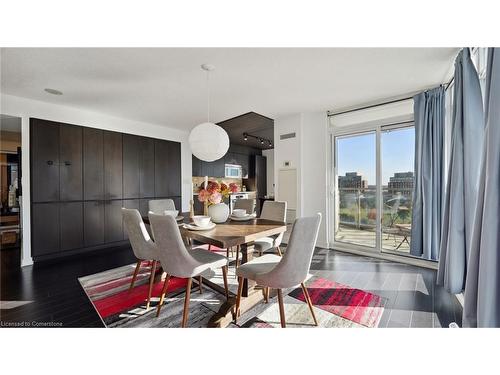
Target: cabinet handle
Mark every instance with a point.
(67, 163)
(50, 162)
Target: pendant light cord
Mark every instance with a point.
(208, 96)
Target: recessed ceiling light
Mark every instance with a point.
(53, 91)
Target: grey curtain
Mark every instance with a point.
(428, 187)
(482, 287)
(467, 131)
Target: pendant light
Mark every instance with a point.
(208, 141)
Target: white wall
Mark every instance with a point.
(307, 152)
(269, 154)
(26, 108)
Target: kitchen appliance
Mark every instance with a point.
(234, 197)
(233, 171)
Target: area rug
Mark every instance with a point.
(335, 305)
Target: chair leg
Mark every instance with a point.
(279, 251)
(227, 252)
(282, 308)
(309, 302)
(136, 271)
(224, 276)
(151, 281)
(163, 293)
(185, 314)
(200, 283)
(238, 298)
(266, 294)
(237, 256)
(209, 247)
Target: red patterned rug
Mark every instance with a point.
(336, 305)
(352, 304)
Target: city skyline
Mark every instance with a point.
(358, 154)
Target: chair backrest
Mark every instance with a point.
(274, 210)
(172, 253)
(294, 266)
(159, 206)
(142, 244)
(245, 204)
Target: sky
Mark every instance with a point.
(357, 154)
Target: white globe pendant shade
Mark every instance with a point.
(208, 141)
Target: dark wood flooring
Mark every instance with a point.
(50, 292)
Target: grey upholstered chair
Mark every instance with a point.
(273, 271)
(142, 245)
(177, 261)
(245, 204)
(159, 206)
(276, 211)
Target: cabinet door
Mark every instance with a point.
(71, 153)
(71, 215)
(261, 175)
(44, 161)
(230, 158)
(196, 167)
(131, 166)
(207, 169)
(93, 164)
(113, 176)
(113, 222)
(161, 168)
(174, 169)
(130, 204)
(147, 168)
(45, 227)
(93, 223)
(219, 168)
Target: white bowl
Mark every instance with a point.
(173, 213)
(239, 212)
(201, 221)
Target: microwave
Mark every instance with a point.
(233, 171)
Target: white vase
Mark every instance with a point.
(218, 212)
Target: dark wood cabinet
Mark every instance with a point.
(219, 168)
(71, 225)
(93, 223)
(93, 164)
(147, 168)
(44, 160)
(45, 228)
(113, 176)
(113, 222)
(161, 168)
(131, 166)
(81, 179)
(196, 167)
(70, 155)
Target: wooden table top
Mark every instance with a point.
(233, 233)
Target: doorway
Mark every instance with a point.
(10, 192)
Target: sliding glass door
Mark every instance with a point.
(373, 186)
(356, 190)
(397, 164)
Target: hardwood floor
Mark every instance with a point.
(50, 292)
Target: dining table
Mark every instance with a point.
(226, 235)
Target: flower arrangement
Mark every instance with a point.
(216, 192)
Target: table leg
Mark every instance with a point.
(247, 255)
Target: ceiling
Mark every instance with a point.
(166, 85)
(253, 124)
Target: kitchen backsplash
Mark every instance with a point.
(199, 181)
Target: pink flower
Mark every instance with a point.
(203, 195)
(215, 198)
(233, 187)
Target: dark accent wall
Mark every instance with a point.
(81, 178)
